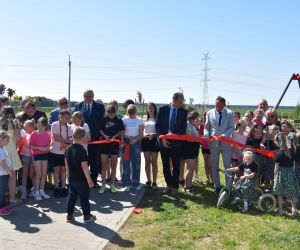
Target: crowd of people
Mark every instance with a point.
(70, 150)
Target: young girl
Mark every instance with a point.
(61, 138)
(258, 118)
(6, 172)
(247, 183)
(285, 181)
(269, 144)
(240, 136)
(248, 117)
(237, 117)
(39, 143)
(111, 127)
(78, 121)
(27, 159)
(191, 151)
(131, 152)
(206, 154)
(9, 123)
(149, 146)
(255, 139)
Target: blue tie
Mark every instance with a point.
(220, 118)
(88, 111)
(173, 120)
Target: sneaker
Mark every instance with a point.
(102, 190)
(127, 188)
(154, 186)
(113, 189)
(37, 196)
(89, 218)
(64, 192)
(174, 192)
(4, 211)
(196, 180)
(31, 194)
(139, 187)
(44, 195)
(70, 218)
(24, 194)
(148, 184)
(167, 190)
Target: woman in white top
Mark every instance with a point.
(131, 152)
(149, 145)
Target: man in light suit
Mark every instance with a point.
(219, 122)
(93, 113)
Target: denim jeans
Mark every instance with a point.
(3, 188)
(135, 161)
(82, 190)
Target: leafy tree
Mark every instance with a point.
(2, 89)
(10, 93)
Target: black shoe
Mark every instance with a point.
(148, 184)
(154, 186)
(218, 189)
(64, 192)
(56, 192)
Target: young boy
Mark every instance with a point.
(79, 178)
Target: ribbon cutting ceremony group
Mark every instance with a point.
(65, 155)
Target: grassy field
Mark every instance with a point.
(194, 222)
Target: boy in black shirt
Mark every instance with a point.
(80, 182)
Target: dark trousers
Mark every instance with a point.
(82, 190)
(94, 161)
(174, 153)
(3, 188)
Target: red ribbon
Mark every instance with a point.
(127, 152)
(94, 142)
(190, 138)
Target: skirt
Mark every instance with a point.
(56, 159)
(149, 145)
(246, 188)
(190, 150)
(285, 183)
(112, 148)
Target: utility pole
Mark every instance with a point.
(205, 81)
(69, 88)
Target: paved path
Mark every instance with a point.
(42, 225)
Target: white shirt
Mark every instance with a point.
(132, 126)
(150, 126)
(86, 129)
(4, 156)
(64, 131)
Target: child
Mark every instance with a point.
(78, 121)
(111, 127)
(131, 152)
(240, 136)
(27, 159)
(61, 138)
(269, 144)
(285, 181)
(248, 117)
(76, 162)
(247, 183)
(191, 151)
(6, 172)
(206, 154)
(255, 139)
(9, 123)
(258, 118)
(39, 143)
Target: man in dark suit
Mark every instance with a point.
(172, 119)
(93, 113)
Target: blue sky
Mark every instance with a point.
(118, 47)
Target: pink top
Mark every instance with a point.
(26, 149)
(39, 140)
(241, 138)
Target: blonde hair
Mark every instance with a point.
(29, 123)
(131, 109)
(249, 153)
(77, 115)
(78, 133)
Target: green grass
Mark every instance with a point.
(194, 222)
